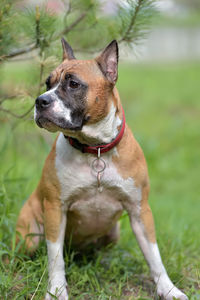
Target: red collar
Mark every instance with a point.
(103, 147)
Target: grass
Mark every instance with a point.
(162, 107)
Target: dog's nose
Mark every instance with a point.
(43, 101)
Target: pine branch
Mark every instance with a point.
(37, 26)
(40, 84)
(30, 48)
(139, 16)
(74, 24)
(68, 10)
(132, 22)
(15, 115)
(10, 112)
(5, 98)
(19, 52)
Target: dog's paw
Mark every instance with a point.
(60, 292)
(171, 294)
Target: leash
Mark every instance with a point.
(98, 164)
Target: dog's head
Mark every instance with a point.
(78, 91)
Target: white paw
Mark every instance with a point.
(59, 291)
(171, 294)
(166, 290)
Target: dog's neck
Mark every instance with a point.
(103, 131)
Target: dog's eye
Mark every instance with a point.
(73, 84)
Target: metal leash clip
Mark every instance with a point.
(98, 166)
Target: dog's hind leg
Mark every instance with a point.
(30, 222)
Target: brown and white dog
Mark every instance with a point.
(84, 189)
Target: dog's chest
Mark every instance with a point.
(78, 181)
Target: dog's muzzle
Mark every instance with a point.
(48, 116)
(43, 102)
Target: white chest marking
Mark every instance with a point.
(76, 178)
(106, 129)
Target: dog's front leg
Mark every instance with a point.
(55, 225)
(142, 224)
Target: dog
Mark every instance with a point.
(95, 170)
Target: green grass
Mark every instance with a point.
(162, 107)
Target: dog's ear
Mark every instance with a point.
(108, 61)
(67, 50)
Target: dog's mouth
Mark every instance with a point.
(54, 125)
(46, 124)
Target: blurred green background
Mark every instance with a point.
(161, 99)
